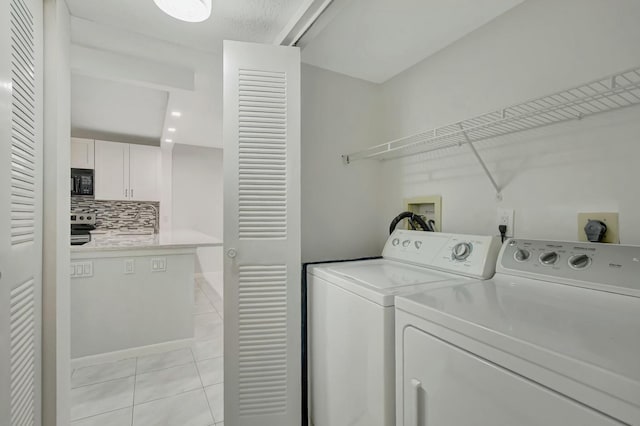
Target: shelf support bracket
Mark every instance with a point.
(482, 163)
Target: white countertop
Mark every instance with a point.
(115, 240)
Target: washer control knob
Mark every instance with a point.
(579, 261)
(549, 258)
(81, 218)
(461, 251)
(418, 244)
(406, 243)
(521, 255)
(513, 243)
(395, 241)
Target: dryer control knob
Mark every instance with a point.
(549, 258)
(395, 241)
(461, 251)
(406, 243)
(521, 255)
(579, 261)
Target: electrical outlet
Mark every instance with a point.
(159, 264)
(506, 217)
(129, 266)
(81, 269)
(612, 235)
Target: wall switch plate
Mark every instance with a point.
(129, 266)
(81, 269)
(159, 264)
(612, 236)
(506, 217)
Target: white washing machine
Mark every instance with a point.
(552, 339)
(351, 319)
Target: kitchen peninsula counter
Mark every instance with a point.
(117, 240)
(133, 294)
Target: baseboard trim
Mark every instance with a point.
(131, 353)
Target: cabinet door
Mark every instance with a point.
(82, 153)
(111, 171)
(444, 385)
(144, 170)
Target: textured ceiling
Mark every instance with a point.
(377, 39)
(246, 20)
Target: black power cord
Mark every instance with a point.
(503, 231)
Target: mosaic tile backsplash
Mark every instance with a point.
(112, 215)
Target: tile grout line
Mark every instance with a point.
(206, 397)
(99, 414)
(133, 403)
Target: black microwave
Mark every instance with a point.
(81, 182)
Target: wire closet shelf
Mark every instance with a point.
(606, 94)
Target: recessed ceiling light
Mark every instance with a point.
(176, 113)
(186, 10)
(168, 140)
(171, 129)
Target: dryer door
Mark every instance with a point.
(444, 385)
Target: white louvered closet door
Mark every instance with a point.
(20, 211)
(262, 234)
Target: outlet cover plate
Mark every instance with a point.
(610, 219)
(129, 266)
(506, 217)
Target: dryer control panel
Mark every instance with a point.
(470, 255)
(609, 267)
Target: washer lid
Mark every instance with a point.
(380, 280)
(589, 335)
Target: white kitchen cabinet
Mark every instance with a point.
(126, 172)
(112, 171)
(82, 153)
(144, 171)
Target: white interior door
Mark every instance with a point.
(144, 167)
(20, 211)
(262, 234)
(112, 171)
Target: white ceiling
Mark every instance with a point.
(110, 107)
(247, 20)
(376, 39)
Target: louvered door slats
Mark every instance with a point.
(262, 151)
(23, 148)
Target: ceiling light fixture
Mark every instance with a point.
(186, 10)
(176, 113)
(171, 129)
(168, 140)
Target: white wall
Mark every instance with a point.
(340, 203)
(197, 199)
(550, 174)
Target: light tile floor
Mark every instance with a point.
(183, 387)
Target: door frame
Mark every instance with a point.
(56, 326)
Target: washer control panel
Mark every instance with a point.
(610, 267)
(469, 255)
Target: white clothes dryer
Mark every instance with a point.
(552, 339)
(351, 319)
